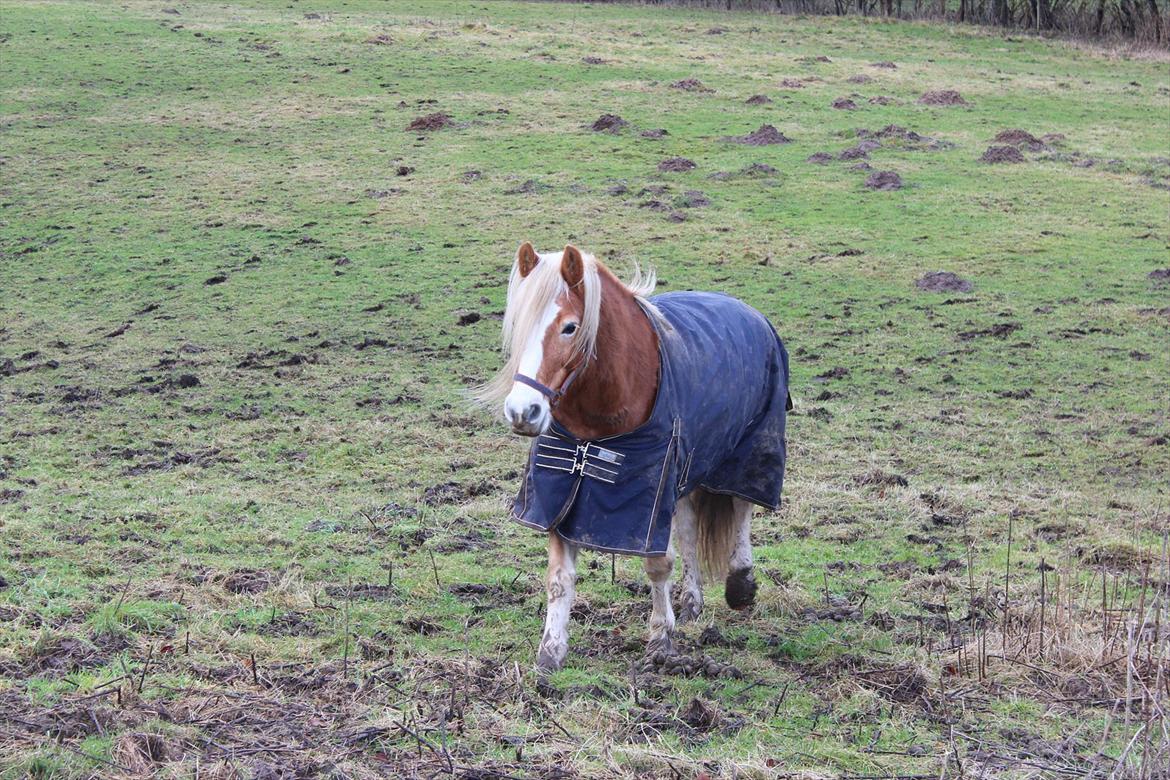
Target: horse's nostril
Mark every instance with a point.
(532, 413)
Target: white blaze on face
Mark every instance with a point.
(522, 397)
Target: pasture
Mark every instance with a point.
(253, 256)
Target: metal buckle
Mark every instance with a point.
(580, 459)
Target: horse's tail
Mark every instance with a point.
(715, 516)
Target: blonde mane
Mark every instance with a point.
(529, 297)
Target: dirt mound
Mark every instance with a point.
(764, 135)
(61, 655)
(249, 581)
(608, 123)
(527, 187)
(693, 724)
(893, 131)
(881, 100)
(884, 180)
(844, 104)
(758, 100)
(1002, 154)
(942, 97)
(792, 84)
(691, 85)
(1000, 331)
(820, 158)
(758, 169)
(860, 151)
(943, 281)
(883, 64)
(1019, 138)
(881, 479)
(676, 165)
(1161, 275)
(860, 78)
(430, 122)
(693, 199)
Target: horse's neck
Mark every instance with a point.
(616, 392)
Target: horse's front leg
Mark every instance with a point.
(662, 614)
(561, 584)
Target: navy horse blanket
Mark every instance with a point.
(717, 423)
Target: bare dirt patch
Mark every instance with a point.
(758, 100)
(792, 84)
(942, 97)
(844, 104)
(860, 78)
(430, 123)
(943, 281)
(1002, 154)
(820, 158)
(764, 135)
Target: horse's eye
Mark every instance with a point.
(569, 328)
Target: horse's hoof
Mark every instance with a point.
(663, 645)
(740, 589)
(688, 610)
(548, 662)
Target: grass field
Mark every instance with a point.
(251, 527)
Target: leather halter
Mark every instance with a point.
(553, 396)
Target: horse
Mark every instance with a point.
(658, 424)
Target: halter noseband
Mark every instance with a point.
(553, 396)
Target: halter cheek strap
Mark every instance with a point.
(553, 396)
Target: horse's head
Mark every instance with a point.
(550, 332)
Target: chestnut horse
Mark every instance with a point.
(587, 360)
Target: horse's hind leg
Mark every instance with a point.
(561, 584)
(686, 539)
(740, 588)
(662, 614)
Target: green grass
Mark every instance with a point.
(145, 153)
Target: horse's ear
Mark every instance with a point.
(572, 266)
(527, 258)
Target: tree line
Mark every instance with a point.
(1139, 20)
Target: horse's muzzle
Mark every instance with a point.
(531, 420)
